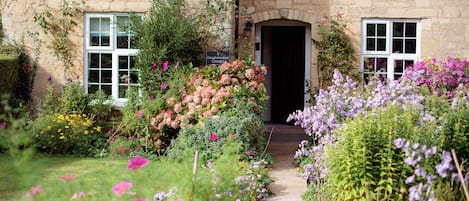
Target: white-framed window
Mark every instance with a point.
(109, 55)
(388, 47)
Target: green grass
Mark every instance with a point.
(95, 177)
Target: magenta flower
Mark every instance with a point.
(120, 188)
(249, 153)
(35, 190)
(213, 137)
(209, 164)
(137, 163)
(165, 65)
(164, 86)
(153, 65)
(139, 114)
(3, 124)
(68, 177)
(49, 78)
(79, 195)
(151, 97)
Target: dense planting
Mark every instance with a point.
(385, 141)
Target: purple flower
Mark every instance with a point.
(160, 196)
(3, 124)
(399, 142)
(410, 179)
(445, 165)
(430, 152)
(49, 78)
(165, 65)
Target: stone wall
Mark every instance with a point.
(444, 24)
(18, 21)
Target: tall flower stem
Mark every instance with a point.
(466, 193)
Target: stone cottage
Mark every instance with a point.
(387, 36)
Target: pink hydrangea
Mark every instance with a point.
(137, 163)
(120, 188)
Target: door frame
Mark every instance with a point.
(308, 51)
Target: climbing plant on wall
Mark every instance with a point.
(335, 49)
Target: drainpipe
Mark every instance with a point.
(236, 30)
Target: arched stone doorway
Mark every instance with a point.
(284, 46)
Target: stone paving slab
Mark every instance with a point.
(288, 184)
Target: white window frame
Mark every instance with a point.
(391, 57)
(112, 49)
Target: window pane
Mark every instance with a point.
(93, 76)
(92, 88)
(410, 46)
(94, 31)
(370, 44)
(408, 63)
(370, 29)
(107, 89)
(397, 46)
(132, 62)
(122, 24)
(398, 29)
(123, 91)
(93, 60)
(411, 30)
(398, 66)
(381, 46)
(105, 31)
(106, 60)
(122, 41)
(381, 30)
(381, 64)
(106, 76)
(124, 77)
(369, 65)
(133, 77)
(123, 62)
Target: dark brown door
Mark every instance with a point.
(288, 71)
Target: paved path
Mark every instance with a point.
(288, 185)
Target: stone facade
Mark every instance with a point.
(444, 25)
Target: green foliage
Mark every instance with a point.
(9, 67)
(365, 164)
(164, 35)
(455, 130)
(59, 26)
(73, 98)
(238, 124)
(335, 50)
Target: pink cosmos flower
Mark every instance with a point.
(165, 65)
(68, 177)
(79, 195)
(3, 124)
(137, 163)
(35, 190)
(139, 114)
(213, 137)
(164, 86)
(323, 20)
(120, 188)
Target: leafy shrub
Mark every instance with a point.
(238, 124)
(73, 98)
(67, 134)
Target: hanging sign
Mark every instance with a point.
(217, 57)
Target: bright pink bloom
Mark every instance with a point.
(249, 153)
(165, 65)
(139, 114)
(137, 163)
(213, 137)
(79, 195)
(120, 188)
(209, 164)
(153, 65)
(35, 190)
(164, 86)
(68, 177)
(151, 97)
(3, 124)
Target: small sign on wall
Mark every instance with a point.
(217, 57)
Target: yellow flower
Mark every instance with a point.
(86, 132)
(67, 126)
(98, 128)
(61, 117)
(42, 132)
(59, 130)
(49, 127)
(62, 137)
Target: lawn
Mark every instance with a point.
(95, 177)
